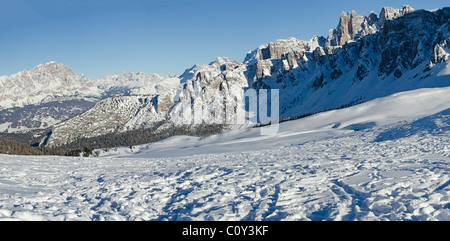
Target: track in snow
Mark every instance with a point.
(346, 178)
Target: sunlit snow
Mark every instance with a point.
(387, 159)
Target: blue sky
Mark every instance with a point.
(99, 37)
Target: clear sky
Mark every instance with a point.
(99, 37)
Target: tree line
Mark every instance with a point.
(85, 146)
(12, 147)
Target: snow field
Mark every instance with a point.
(361, 163)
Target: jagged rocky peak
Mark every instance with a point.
(388, 13)
(53, 73)
(352, 26)
(360, 66)
(282, 47)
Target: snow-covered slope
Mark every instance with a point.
(378, 113)
(386, 159)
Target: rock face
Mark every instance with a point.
(365, 57)
(388, 14)
(352, 27)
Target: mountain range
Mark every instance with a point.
(363, 58)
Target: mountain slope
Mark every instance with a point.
(400, 50)
(398, 109)
(107, 116)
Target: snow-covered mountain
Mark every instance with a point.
(374, 57)
(136, 84)
(51, 93)
(223, 77)
(45, 83)
(41, 97)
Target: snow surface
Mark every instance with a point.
(387, 159)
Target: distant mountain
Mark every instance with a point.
(45, 83)
(135, 84)
(46, 95)
(50, 93)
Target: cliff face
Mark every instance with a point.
(352, 26)
(363, 58)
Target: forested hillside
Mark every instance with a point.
(8, 146)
